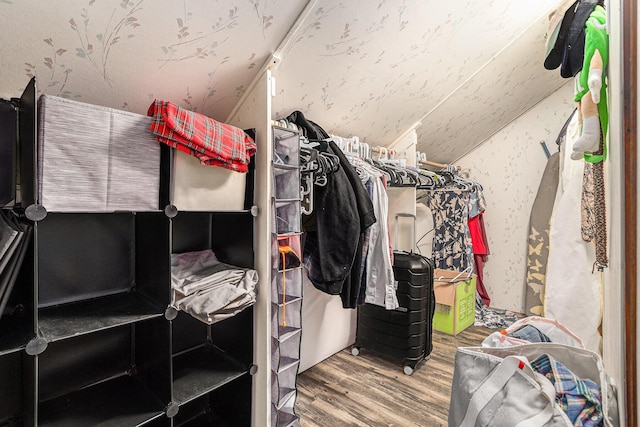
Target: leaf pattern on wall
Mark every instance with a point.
(198, 43)
(123, 54)
(371, 69)
(97, 47)
(264, 18)
(58, 76)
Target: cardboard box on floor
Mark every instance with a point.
(455, 300)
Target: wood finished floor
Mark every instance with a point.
(370, 390)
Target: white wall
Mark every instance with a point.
(509, 166)
(402, 199)
(255, 112)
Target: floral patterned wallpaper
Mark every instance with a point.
(509, 166)
(464, 68)
(124, 53)
(367, 68)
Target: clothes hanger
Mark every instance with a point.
(461, 183)
(468, 271)
(427, 179)
(391, 175)
(306, 204)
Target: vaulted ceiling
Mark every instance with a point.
(456, 71)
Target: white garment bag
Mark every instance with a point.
(572, 294)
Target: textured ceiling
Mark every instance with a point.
(374, 69)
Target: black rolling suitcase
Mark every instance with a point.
(404, 333)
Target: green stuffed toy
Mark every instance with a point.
(591, 90)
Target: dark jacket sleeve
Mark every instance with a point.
(343, 211)
(363, 201)
(366, 218)
(338, 228)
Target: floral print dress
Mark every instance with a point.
(452, 249)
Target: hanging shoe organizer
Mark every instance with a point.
(286, 277)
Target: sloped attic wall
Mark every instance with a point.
(462, 69)
(503, 88)
(509, 166)
(201, 55)
(367, 68)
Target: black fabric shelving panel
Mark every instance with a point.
(15, 330)
(92, 378)
(17, 322)
(88, 336)
(201, 370)
(200, 362)
(109, 253)
(27, 125)
(123, 401)
(228, 234)
(17, 311)
(78, 318)
(16, 389)
(113, 271)
(207, 358)
(8, 148)
(227, 406)
(17, 283)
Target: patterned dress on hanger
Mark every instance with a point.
(452, 249)
(479, 243)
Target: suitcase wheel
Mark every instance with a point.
(408, 370)
(355, 350)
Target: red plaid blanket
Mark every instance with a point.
(212, 142)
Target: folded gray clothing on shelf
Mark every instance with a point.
(204, 307)
(208, 289)
(209, 280)
(190, 267)
(219, 297)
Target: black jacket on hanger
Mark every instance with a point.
(343, 211)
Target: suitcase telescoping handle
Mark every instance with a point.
(406, 215)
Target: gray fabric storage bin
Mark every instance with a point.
(93, 158)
